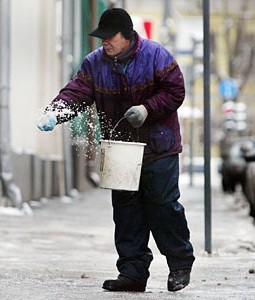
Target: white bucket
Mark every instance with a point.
(120, 166)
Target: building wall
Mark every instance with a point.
(34, 73)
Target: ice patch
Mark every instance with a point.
(13, 211)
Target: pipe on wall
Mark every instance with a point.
(9, 188)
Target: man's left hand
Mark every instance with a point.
(136, 115)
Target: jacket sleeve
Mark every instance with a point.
(170, 89)
(75, 97)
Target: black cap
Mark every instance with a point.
(111, 22)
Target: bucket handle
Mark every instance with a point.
(115, 126)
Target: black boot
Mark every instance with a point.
(123, 284)
(178, 280)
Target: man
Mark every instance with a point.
(141, 80)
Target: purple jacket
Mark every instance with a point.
(151, 77)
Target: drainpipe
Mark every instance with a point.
(67, 68)
(10, 189)
(77, 33)
(166, 12)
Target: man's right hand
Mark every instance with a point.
(47, 121)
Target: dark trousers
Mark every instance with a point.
(153, 209)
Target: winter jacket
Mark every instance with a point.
(151, 77)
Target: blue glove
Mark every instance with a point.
(136, 115)
(47, 122)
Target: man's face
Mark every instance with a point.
(115, 45)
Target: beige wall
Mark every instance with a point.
(34, 73)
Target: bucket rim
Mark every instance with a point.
(123, 142)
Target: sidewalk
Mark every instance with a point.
(66, 251)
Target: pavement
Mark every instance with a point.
(65, 249)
